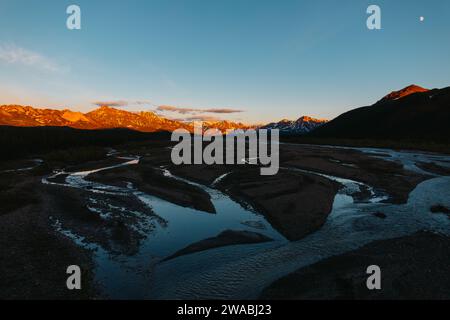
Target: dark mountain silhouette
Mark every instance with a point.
(411, 113)
(395, 95)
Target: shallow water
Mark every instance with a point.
(242, 271)
(124, 276)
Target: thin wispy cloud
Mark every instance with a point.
(12, 54)
(224, 111)
(198, 118)
(122, 103)
(175, 109)
(182, 110)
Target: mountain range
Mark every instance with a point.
(303, 125)
(395, 95)
(102, 118)
(411, 113)
(106, 118)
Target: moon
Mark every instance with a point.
(422, 19)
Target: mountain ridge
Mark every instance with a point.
(411, 112)
(406, 91)
(104, 117)
(302, 125)
(414, 115)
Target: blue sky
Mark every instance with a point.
(269, 59)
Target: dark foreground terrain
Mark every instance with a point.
(34, 257)
(413, 267)
(51, 218)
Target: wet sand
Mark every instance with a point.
(99, 218)
(412, 267)
(152, 181)
(34, 257)
(385, 175)
(434, 168)
(295, 204)
(226, 238)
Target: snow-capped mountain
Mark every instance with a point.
(303, 125)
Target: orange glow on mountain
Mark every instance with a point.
(395, 95)
(102, 118)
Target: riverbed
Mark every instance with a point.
(243, 271)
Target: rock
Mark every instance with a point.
(380, 215)
(438, 208)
